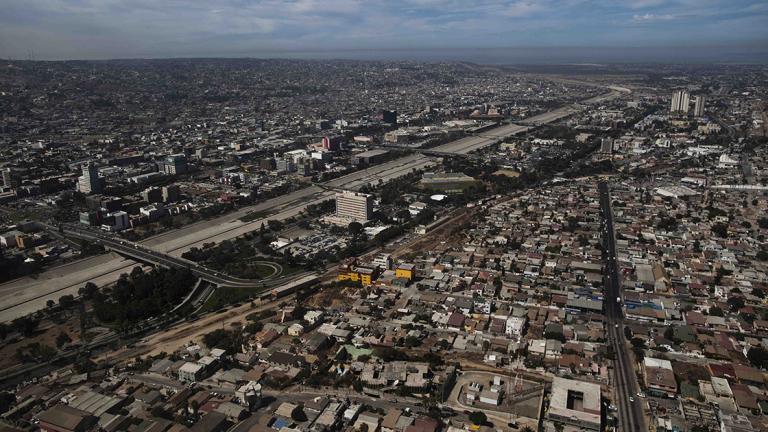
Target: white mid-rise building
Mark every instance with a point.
(355, 206)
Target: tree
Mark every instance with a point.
(478, 418)
(87, 292)
(355, 228)
(6, 401)
(715, 311)
(66, 301)
(62, 339)
(298, 414)
(758, 356)
(720, 229)
(736, 303)
(25, 325)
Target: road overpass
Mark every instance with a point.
(145, 254)
(28, 294)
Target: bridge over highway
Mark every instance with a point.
(145, 254)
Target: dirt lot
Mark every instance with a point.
(178, 336)
(444, 234)
(45, 335)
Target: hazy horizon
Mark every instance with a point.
(487, 31)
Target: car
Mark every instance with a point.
(616, 326)
(631, 399)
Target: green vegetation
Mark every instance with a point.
(252, 216)
(225, 296)
(16, 267)
(35, 352)
(478, 418)
(142, 295)
(7, 399)
(758, 356)
(228, 340)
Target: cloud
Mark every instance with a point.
(649, 17)
(523, 8)
(642, 4)
(124, 28)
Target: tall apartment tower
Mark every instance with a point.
(681, 99)
(176, 164)
(90, 182)
(355, 206)
(698, 107)
(6, 177)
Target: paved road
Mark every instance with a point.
(145, 254)
(625, 381)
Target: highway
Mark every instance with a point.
(145, 254)
(29, 294)
(625, 387)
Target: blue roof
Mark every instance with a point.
(280, 423)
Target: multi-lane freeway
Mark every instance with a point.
(145, 254)
(27, 295)
(625, 386)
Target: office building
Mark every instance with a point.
(285, 165)
(152, 195)
(606, 146)
(681, 99)
(90, 182)
(116, 221)
(354, 206)
(389, 117)
(6, 177)
(369, 157)
(698, 107)
(171, 193)
(267, 164)
(176, 164)
(332, 143)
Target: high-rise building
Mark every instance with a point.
(698, 107)
(285, 165)
(389, 117)
(606, 146)
(7, 178)
(681, 99)
(171, 193)
(152, 195)
(332, 142)
(355, 206)
(176, 164)
(90, 182)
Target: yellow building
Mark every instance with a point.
(405, 271)
(364, 275)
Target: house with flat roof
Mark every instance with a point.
(575, 403)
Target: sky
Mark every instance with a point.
(548, 30)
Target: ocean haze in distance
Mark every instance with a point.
(482, 31)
